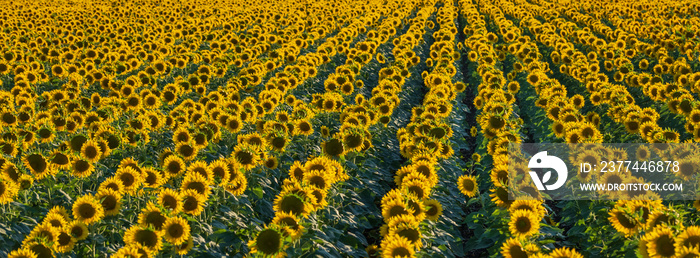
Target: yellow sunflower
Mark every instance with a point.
(689, 238)
(513, 248)
(148, 238)
(192, 202)
(467, 185)
(433, 209)
(170, 199)
(660, 242)
(565, 252)
(88, 209)
(22, 253)
(523, 223)
(77, 229)
(397, 247)
(152, 216)
(176, 230)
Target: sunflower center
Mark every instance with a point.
(76, 231)
(517, 252)
(523, 224)
(468, 185)
(625, 221)
(86, 210)
(90, 152)
(60, 159)
(318, 181)
(665, 245)
(397, 210)
(127, 179)
(169, 202)
(268, 241)
(81, 166)
(37, 163)
(109, 202)
(176, 231)
(353, 141)
(191, 203)
(147, 238)
(174, 167)
(244, 157)
(156, 219)
(400, 252)
(292, 204)
(692, 241)
(334, 147)
(63, 239)
(197, 186)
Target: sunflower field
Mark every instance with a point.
(341, 128)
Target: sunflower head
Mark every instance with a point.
(176, 230)
(87, 209)
(148, 238)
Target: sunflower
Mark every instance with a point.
(187, 150)
(170, 200)
(333, 147)
(689, 238)
(153, 178)
(533, 206)
(245, 156)
(36, 163)
(197, 182)
(8, 190)
(271, 162)
(192, 202)
(77, 229)
(293, 203)
(317, 178)
(91, 151)
(269, 242)
(148, 238)
(130, 251)
(565, 252)
(39, 248)
(395, 207)
(82, 168)
(433, 209)
(220, 170)
(513, 248)
(405, 226)
(397, 246)
(112, 183)
(59, 160)
(173, 165)
(130, 178)
(523, 223)
(64, 242)
(87, 209)
(22, 253)
(152, 216)
(184, 248)
(467, 185)
(42, 231)
(289, 221)
(176, 230)
(623, 222)
(55, 220)
(237, 186)
(500, 196)
(660, 242)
